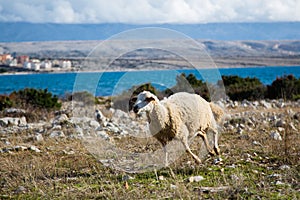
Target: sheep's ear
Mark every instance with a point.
(149, 99)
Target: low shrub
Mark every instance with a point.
(286, 87)
(189, 84)
(5, 102)
(126, 100)
(35, 98)
(83, 96)
(238, 88)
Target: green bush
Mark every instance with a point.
(238, 88)
(83, 96)
(189, 84)
(286, 87)
(126, 100)
(36, 98)
(5, 102)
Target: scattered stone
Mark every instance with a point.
(218, 161)
(127, 177)
(94, 124)
(275, 135)
(279, 123)
(20, 189)
(265, 104)
(284, 167)
(173, 187)
(60, 119)
(256, 143)
(34, 148)
(275, 176)
(14, 111)
(196, 179)
(280, 183)
(71, 152)
(161, 178)
(103, 135)
(19, 148)
(57, 134)
(12, 121)
(22, 122)
(56, 127)
(291, 126)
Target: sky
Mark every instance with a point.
(149, 11)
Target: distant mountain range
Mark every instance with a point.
(22, 32)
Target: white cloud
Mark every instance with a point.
(149, 11)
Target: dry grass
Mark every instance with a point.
(66, 170)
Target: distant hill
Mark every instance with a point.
(22, 32)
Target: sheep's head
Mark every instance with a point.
(145, 101)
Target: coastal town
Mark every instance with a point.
(26, 63)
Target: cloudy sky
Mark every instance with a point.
(149, 11)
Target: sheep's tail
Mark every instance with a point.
(217, 111)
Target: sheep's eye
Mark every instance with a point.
(148, 99)
(134, 98)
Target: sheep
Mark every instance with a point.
(182, 116)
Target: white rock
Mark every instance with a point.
(173, 187)
(79, 131)
(14, 110)
(60, 119)
(196, 179)
(127, 177)
(35, 149)
(20, 148)
(103, 135)
(280, 129)
(39, 138)
(284, 167)
(265, 104)
(279, 123)
(275, 135)
(22, 121)
(56, 127)
(94, 124)
(6, 121)
(55, 134)
(217, 161)
(291, 125)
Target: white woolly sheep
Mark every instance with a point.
(182, 116)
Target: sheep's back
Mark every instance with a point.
(194, 111)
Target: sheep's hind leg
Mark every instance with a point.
(216, 146)
(208, 147)
(166, 155)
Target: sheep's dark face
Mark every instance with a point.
(144, 102)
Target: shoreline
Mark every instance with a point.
(133, 70)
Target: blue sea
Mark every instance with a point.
(113, 83)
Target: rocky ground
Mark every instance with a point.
(259, 142)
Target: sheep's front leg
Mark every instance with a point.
(183, 137)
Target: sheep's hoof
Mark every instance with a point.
(198, 161)
(217, 150)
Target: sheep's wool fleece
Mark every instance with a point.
(190, 109)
